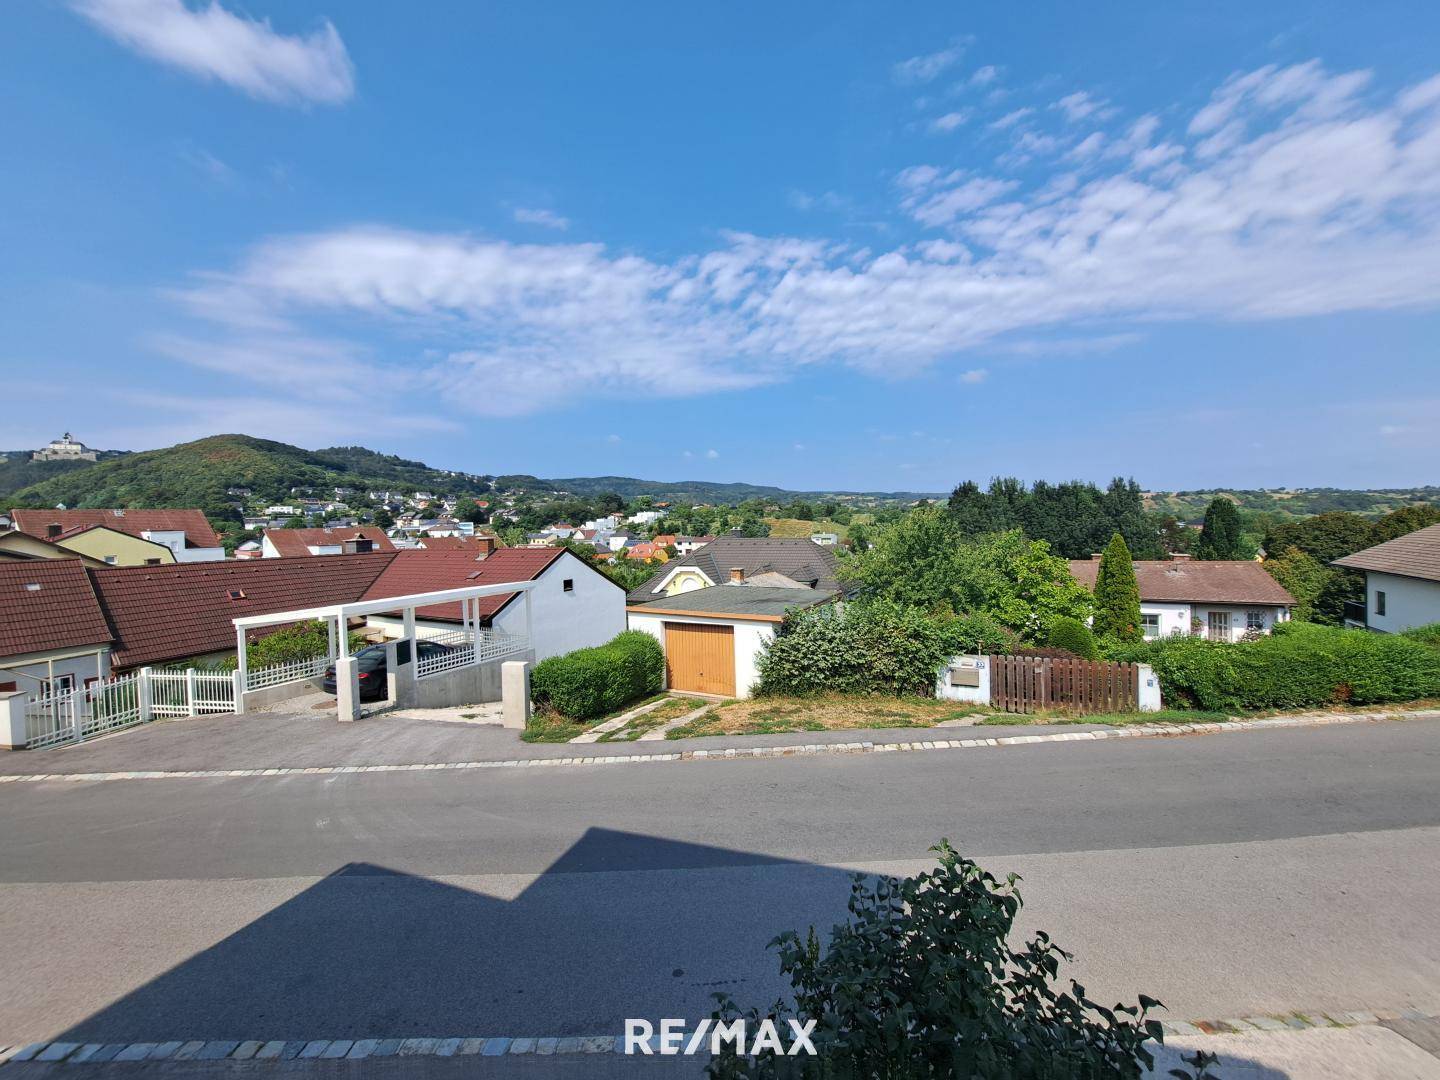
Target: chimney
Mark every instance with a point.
(737, 574)
(1180, 556)
(1096, 556)
(486, 544)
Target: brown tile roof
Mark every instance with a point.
(1194, 581)
(62, 613)
(449, 543)
(294, 543)
(165, 613)
(1415, 554)
(430, 571)
(192, 523)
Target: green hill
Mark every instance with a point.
(197, 474)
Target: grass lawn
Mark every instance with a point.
(796, 527)
(663, 713)
(774, 716)
(552, 727)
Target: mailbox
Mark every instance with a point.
(964, 676)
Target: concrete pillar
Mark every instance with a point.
(347, 688)
(12, 719)
(1149, 689)
(239, 690)
(145, 695)
(400, 678)
(515, 694)
(191, 692)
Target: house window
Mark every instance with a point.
(236, 594)
(569, 585)
(1150, 625)
(152, 562)
(1255, 622)
(111, 559)
(1379, 601)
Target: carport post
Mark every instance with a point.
(529, 621)
(409, 620)
(240, 665)
(330, 644)
(341, 629)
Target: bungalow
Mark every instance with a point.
(1402, 582)
(298, 543)
(713, 636)
(684, 545)
(53, 632)
(825, 539)
(760, 561)
(1222, 600)
(186, 533)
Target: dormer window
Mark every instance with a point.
(236, 594)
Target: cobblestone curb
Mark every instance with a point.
(750, 753)
(72, 1053)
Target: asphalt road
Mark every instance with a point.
(1226, 875)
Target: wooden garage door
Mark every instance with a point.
(700, 659)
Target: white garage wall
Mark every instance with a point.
(750, 639)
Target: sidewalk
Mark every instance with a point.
(273, 743)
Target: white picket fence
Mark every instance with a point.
(69, 716)
(294, 671)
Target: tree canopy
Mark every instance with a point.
(1117, 596)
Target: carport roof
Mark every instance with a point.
(752, 602)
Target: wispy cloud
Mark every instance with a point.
(924, 68)
(950, 121)
(1320, 201)
(1011, 118)
(1080, 106)
(974, 376)
(247, 54)
(546, 218)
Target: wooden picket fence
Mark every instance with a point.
(1028, 684)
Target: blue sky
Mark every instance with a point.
(817, 245)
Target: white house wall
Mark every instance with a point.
(1408, 602)
(1174, 618)
(590, 615)
(28, 671)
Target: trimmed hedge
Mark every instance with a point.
(592, 682)
(1300, 665)
(1073, 636)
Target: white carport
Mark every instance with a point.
(468, 647)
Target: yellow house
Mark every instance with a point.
(16, 545)
(685, 580)
(115, 548)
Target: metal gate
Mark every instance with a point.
(1027, 684)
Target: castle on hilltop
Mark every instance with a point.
(65, 449)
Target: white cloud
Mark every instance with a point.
(921, 69)
(212, 43)
(1010, 119)
(1325, 208)
(974, 376)
(547, 218)
(985, 76)
(950, 121)
(712, 454)
(1080, 106)
(613, 439)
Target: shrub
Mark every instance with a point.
(1073, 636)
(1300, 665)
(1117, 596)
(922, 981)
(1428, 634)
(875, 647)
(592, 682)
(302, 641)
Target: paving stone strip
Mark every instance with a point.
(616, 722)
(657, 734)
(72, 1053)
(749, 753)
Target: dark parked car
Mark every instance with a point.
(372, 669)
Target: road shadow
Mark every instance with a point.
(620, 925)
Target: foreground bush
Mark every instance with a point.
(302, 641)
(1300, 665)
(592, 682)
(876, 647)
(922, 981)
(1429, 634)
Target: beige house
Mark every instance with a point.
(115, 548)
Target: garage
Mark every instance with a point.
(700, 658)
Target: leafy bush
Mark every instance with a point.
(302, 641)
(1073, 636)
(874, 647)
(1428, 634)
(1298, 666)
(592, 682)
(922, 981)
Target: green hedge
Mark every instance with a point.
(875, 647)
(1074, 636)
(592, 682)
(1300, 665)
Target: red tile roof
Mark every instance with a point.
(295, 543)
(450, 543)
(1195, 581)
(192, 523)
(165, 613)
(62, 613)
(430, 571)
